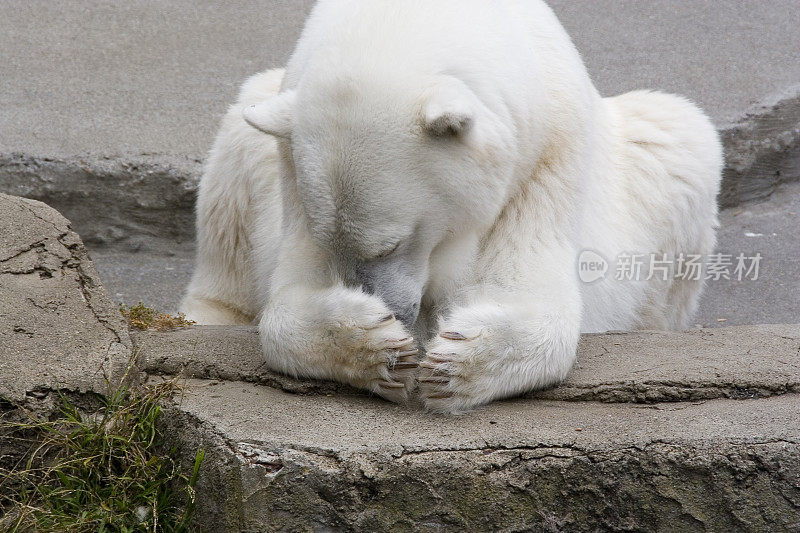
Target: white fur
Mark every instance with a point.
(446, 162)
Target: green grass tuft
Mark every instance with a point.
(97, 473)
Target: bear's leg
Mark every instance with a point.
(206, 311)
(222, 286)
(315, 327)
(238, 206)
(505, 342)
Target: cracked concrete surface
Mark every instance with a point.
(58, 326)
(281, 462)
(655, 431)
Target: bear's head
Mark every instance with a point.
(386, 175)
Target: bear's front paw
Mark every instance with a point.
(473, 360)
(380, 357)
(454, 375)
(343, 335)
(487, 352)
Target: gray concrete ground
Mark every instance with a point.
(129, 78)
(154, 279)
(770, 228)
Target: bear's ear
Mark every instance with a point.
(273, 116)
(449, 109)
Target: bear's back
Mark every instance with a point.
(425, 35)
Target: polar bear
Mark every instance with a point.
(433, 171)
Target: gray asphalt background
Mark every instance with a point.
(119, 78)
(102, 79)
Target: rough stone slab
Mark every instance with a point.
(641, 367)
(139, 203)
(231, 353)
(283, 462)
(351, 424)
(736, 362)
(762, 149)
(695, 431)
(58, 326)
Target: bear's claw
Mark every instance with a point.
(399, 343)
(385, 321)
(453, 336)
(434, 379)
(440, 396)
(442, 357)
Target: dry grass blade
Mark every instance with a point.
(142, 317)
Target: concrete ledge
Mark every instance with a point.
(646, 367)
(278, 461)
(643, 367)
(762, 149)
(132, 204)
(692, 431)
(229, 353)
